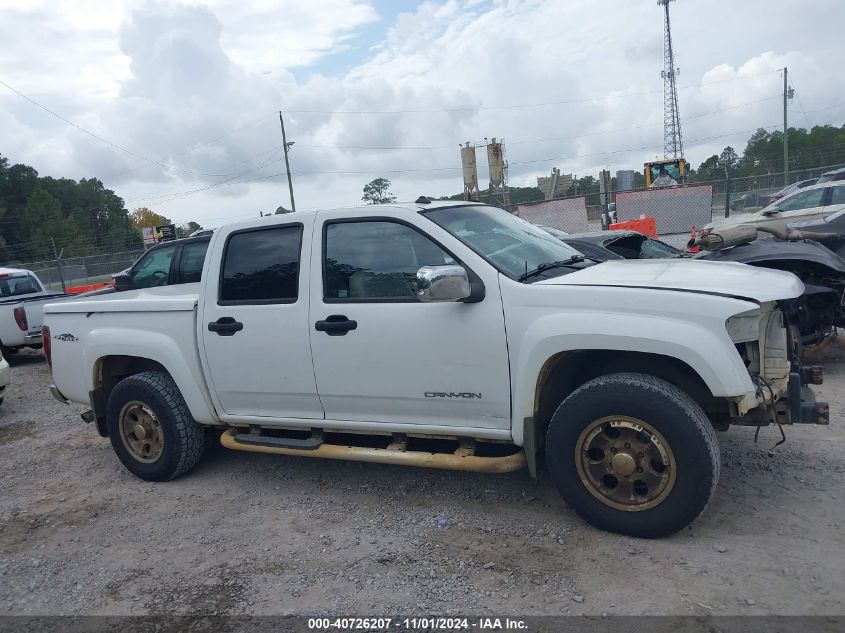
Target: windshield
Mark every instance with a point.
(16, 285)
(509, 243)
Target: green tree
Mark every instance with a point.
(378, 192)
(728, 158)
(46, 224)
(185, 230)
(143, 217)
(709, 170)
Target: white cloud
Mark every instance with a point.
(163, 79)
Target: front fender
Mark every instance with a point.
(182, 364)
(710, 353)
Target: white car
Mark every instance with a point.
(810, 203)
(4, 377)
(443, 334)
(22, 298)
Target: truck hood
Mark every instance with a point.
(723, 278)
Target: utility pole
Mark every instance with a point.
(785, 132)
(59, 264)
(287, 164)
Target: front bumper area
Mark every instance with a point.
(800, 405)
(789, 401)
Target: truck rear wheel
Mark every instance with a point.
(633, 454)
(151, 429)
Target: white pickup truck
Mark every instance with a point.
(22, 297)
(450, 335)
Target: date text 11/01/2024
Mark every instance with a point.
(416, 624)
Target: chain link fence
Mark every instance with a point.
(676, 209)
(79, 271)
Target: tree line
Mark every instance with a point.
(40, 213)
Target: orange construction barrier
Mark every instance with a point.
(646, 226)
(75, 290)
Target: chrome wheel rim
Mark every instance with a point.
(141, 432)
(625, 463)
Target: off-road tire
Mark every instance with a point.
(670, 411)
(184, 439)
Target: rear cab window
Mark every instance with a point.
(16, 285)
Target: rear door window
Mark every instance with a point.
(261, 266)
(837, 195)
(191, 261)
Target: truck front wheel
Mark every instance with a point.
(633, 454)
(151, 429)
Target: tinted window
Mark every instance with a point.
(802, 200)
(837, 196)
(154, 268)
(262, 266)
(376, 260)
(191, 261)
(18, 285)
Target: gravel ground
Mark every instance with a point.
(261, 534)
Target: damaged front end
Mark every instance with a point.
(769, 348)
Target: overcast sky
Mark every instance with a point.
(192, 91)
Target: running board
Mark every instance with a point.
(462, 459)
(254, 439)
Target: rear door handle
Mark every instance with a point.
(225, 326)
(336, 325)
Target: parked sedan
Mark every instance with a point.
(813, 202)
(822, 271)
(790, 189)
(606, 245)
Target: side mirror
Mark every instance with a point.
(123, 281)
(771, 212)
(443, 283)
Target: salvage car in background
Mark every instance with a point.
(822, 271)
(790, 189)
(813, 202)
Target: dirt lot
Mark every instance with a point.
(259, 534)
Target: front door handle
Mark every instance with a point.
(336, 325)
(225, 326)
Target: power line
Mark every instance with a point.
(536, 140)
(203, 144)
(836, 105)
(524, 105)
(101, 139)
(178, 195)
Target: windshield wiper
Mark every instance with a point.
(549, 265)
